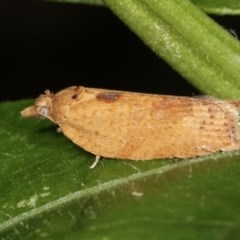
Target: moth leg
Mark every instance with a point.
(59, 130)
(94, 164)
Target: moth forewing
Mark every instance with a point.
(137, 126)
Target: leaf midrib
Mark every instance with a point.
(100, 188)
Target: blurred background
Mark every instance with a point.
(45, 45)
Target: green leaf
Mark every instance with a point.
(49, 192)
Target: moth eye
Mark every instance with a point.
(44, 111)
(75, 96)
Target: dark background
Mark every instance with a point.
(46, 45)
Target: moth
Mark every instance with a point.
(139, 126)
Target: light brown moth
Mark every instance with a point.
(138, 126)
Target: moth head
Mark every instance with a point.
(42, 107)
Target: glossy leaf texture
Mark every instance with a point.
(49, 192)
(219, 7)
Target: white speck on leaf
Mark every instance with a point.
(137, 194)
(31, 202)
(46, 188)
(44, 194)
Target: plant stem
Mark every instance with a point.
(192, 43)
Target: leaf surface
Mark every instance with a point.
(48, 191)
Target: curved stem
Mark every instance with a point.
(191, 42)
